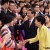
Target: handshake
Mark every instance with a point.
(22, 43)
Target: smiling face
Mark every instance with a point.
(0, 23)
(30, 15)
(12, 6)
(24, 10)
(14, 21)
(37, 23)
(0, 7)
(47, 19)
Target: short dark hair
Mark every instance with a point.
(11, 2)
(4, 1)
(8, 19)
(32, 11)
(36, 5)
(41, 6)
(40, 19)
(12, 14)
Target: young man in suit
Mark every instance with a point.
(30, 30)
(5, 5)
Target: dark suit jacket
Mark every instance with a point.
(4, 12)
(30, 32)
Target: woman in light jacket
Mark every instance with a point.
(43, 35)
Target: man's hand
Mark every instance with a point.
(25, 41)
(21, 43)
(19, 46)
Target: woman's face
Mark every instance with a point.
(45, 3)
(13, 22)
(0, 23)
(37, 23)
(0, 8)
(47, 18)
(12, 7)
(46, 10)
(24, 10)
(18, 9)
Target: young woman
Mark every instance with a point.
(2, 40)
(7, 21)
(47, 18)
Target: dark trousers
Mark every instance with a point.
(33, 46)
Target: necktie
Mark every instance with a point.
(29, 23)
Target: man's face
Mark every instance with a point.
(27, 0)
(12, 6)
(7, 5)
(37, 8)
(29, 14)
(42, 9)
(41, 2)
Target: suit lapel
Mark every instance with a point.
(27, 24)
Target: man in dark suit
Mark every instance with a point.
(30, 30)
(4, 8)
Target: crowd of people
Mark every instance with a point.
(24, 24)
